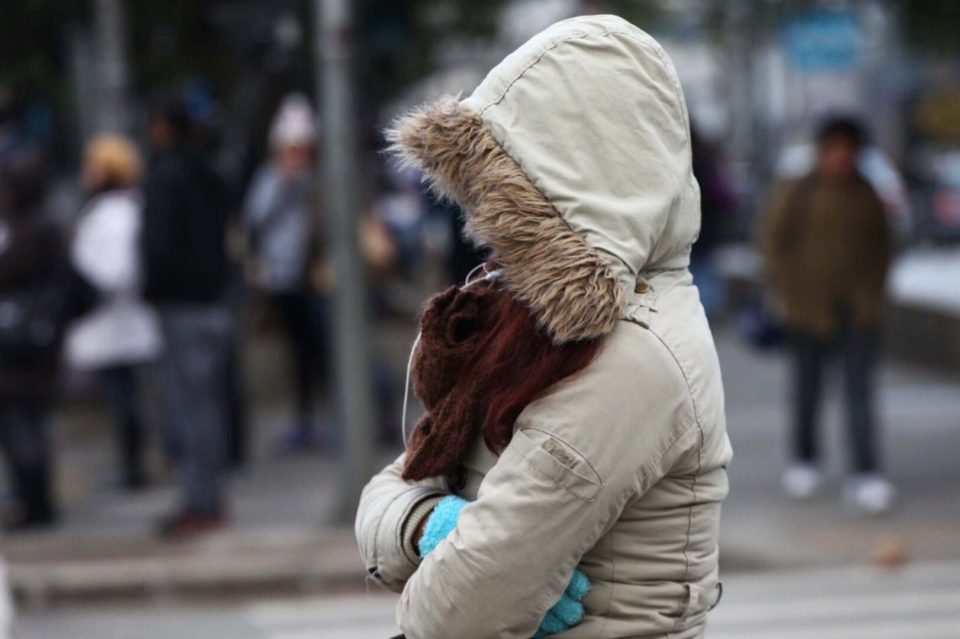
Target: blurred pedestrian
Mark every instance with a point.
(185, 276)
(280, 214)
(828, 248)
(716, 213)
(121, 333)
(11, 135)
(463, 256)
(401, 209)
(32, 292)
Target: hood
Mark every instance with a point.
(571, 160)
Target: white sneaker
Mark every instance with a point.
(870, 493)
(801, 481)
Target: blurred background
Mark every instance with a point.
(210, 279)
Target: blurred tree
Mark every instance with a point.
(929, 24)
(239, 49)
(32, 42)
(643, 12)
(174, 40)
(400, 41)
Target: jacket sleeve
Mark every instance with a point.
(389, 513)
(256, 204)
(773, 228)
(578, 455)
(29, 252)
(882, 239)
(160, 230)
(105, 246)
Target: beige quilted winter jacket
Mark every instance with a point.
(572, 161)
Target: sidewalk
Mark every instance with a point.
(282, 536)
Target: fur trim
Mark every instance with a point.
(569, 287)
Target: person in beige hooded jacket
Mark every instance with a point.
(572, 163)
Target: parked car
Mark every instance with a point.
(938, 197)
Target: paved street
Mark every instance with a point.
(921, 602)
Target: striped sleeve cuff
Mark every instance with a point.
(419, 513)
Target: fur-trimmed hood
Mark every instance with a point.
(571, 161)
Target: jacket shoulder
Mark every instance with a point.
(623, 412)
(638, 355)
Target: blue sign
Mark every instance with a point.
(823, 41)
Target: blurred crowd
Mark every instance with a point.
(150, 280)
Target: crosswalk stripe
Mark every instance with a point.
(912, 629)
(838, 606)
(374, 609)
(922, 601)
(946, 573)
(362, 617)
(320, 632)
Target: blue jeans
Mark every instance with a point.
(193, 368)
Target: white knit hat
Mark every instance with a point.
(294, 123)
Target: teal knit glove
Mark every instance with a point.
(565, 614)
(441, 523)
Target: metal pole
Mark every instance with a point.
(739, 19)
(341, 187)
(110, 37)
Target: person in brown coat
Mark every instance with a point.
(828, 247)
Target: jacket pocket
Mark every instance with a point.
(554, 460)
(697, 600)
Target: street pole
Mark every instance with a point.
(341, 187)
(739, 18)
(111, 66)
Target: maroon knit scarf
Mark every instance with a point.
(454, 326)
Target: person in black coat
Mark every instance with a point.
(33, 276)
(185, 219)
(186, 272)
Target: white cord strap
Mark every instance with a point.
(488, 276)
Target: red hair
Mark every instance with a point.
(519, 362)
